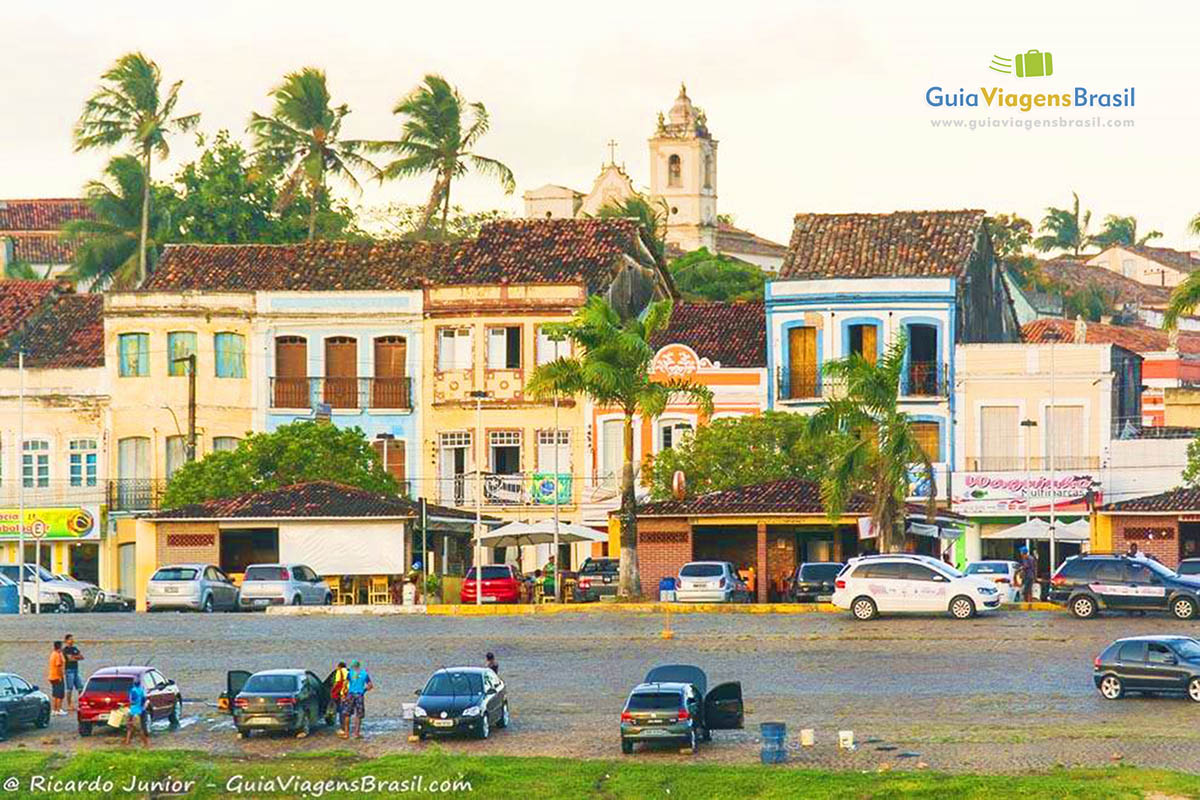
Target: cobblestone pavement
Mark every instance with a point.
(1009, 692)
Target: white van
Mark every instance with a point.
(898, 582)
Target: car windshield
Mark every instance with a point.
(270, 684)
(653, 701)
(1188, 649)
(265, 574)
(949, 570)
(819, 572)
(599, 566)
(32, 571)
(491, 573)
(701, 571)
(1189, 568)
(175, 574)
(1157, 568)
(108, 683)
(987, 568)
(446, 684)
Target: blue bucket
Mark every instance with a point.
(8, 600)
(774, 751)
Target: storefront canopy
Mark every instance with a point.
(518, 534)
(1078, 531)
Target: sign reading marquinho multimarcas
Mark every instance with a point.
(64, 523)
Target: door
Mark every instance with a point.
(390, 387)
(228, 590)
(341, 372)
(127, 569)
(1131, 665)
(723, 707)
(12, 705)
(234, 681)
(133, 473)
(1162, 667)
(317, 696)
(1146, 588)
(1108, 581)
(802, 362)
(491, 705)
(927, 589)
(887, 586)
(314, 593)
(291, 373)
(21, 703)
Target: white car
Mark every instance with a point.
(872, 585)
(283, 584)
(710, 582)
(1002, 573)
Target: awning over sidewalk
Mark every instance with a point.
(1039, 529)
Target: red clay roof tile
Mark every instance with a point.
(41, 214)
(734, 334)
(20, 299)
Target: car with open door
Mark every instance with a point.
(21, 704)
(471, 700)
(288, 700)
(674, 705)
(108, 688)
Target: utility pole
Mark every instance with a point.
(478, 445)
(21, 487)
(190, 360)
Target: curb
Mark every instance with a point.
(526, 609)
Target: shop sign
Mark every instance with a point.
(63, 523)
(1013, 493)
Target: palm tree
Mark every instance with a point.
(882, 449)
(612, 368)
(1121, 230)
(129, 107)
(439, 133)
(301, 138)
(649, 214)
(1065, 229)
(109, 246)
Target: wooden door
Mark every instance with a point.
(802, 362)
(341, 372)
(291, 372)
(870, 343)
(390, 386)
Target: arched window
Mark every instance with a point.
(674, 171)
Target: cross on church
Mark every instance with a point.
(612, 151)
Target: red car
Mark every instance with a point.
(109, 687)
(500, 585)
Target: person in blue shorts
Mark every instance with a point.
(358, 683)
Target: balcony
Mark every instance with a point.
(925, 379)
(805, 383)
(135, 494)
(342, 393)
(535, 489)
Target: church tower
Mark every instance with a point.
(683, 175)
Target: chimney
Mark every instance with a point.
(1080, 330)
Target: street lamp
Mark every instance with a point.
(1051, 336)
(1028, 425)
(557, 336)
(478, 397)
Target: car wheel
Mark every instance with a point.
(1194, 689)
(693, 742)
(85, 729)
(296, 600)
(1083, 607)
(962, 607)
(26, 606)
(504, 717)
(1111, 687)
(208, 605)
(176, 713)
(66, 604)
(626, 746)
(1183, 607)
(43, 720)
(485, 729)
(863, 608)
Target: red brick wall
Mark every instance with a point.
(188, 543)
(1154, 535)
(664, 545)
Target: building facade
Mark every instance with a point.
(1155, 266)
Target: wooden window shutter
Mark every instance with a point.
(389, 389)
(341, 372)
(291, 372)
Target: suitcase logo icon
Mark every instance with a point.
(1030, 64)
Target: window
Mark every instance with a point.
(230, 354)
(504, 348)
(708, 170)
(999, 432)
(180, 345)
(928, 435)
(176, 454)
(1066, 441)
(547, 452)
(671, 433)
(454, 456)
(82, 462)
(863, 341)
(504, 452)
(224, 443)
(341, 372)
(1132, 651)
(1108, 572)
(390, 387)
(1159, 654)
(454, 349)
(548, 349)
(1127, 268)
(612, 448)
(35, 464)
(674, 171)
(391, 456)
(291, 373)
(801, 378)
(133, 355)
(923, 374)
(1139, 574)
(918, 572)
(888, 570)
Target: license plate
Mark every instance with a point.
(487, 599)
(171, 589)
(653, 732)
(443, 723)
(608, 579)
(102, 718)
(262, 601)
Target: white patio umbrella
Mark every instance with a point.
(1078, 531)
(518, 534)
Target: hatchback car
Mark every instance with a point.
(289, 700)
(283, 584)
(710, 582)
(1002, 573)
(108, 688)
(1149, 664)
(674, 705)
(813, 581)
(1085, 584)
(469, 700)
(501, 584)
(872, 585)
(56, 595)
(598, 577)
(191, 587)
(21, 703)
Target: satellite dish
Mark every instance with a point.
(679, 484)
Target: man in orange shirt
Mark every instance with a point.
(55, 674)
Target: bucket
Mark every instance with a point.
(774, 750)
(8, 599)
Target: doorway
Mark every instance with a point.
(127, 569)
(240, 548)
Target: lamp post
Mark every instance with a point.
(21, 489)
(1052, 431)
(556, 336)
(1028, 425)
(478, 397)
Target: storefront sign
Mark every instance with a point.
(1012, 493)
(66, 523)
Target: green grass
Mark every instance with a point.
(500, 777)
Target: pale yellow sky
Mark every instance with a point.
(817, 106)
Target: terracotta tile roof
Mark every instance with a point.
(1075, 273)
(47, 214)
(19, 300)
(66, 332)
(785, 496)
(1177, 259)
(42, 248)
(733, 240)
(315, 499)
(900, 244)
(734, 334)
(1187, 500)
(1138, 338)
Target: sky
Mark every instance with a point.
(818, 107)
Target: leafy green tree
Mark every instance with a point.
(403, 221)
(1121, 230)
(18, 269)
(1090, 301)
(612, 369)
(727, 453)
(650, 215)
(302, 138)
(701, 275)
(1011, 235)
(298, 452)
(438, 136)
(879, 448)
(130, 107)
(1191, 472)
(1184, 299)
(1064, 229)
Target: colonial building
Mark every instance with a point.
(1156, 266)
(31, 232)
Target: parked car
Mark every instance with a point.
(501, 584)
(289, 700)
(1085, 584)
(108, 688)
(1169, 664)
(461, 700)
(710, 582)
(195, 587)
(109, 600)
(21, 703)
(1001, 573)
(813, 581)
(1189, 566)
(598, 577)
(283, 584)
(67, 595)
(673, 704)
(898, 582)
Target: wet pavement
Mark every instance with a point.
(1008, 692)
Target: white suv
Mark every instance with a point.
(872, 585)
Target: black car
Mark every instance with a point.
(290, 700)
(1189, 566)
(1085, 584)
(461, 700)
(674, 705)
(21, 703)
(1149, 664)
(598, 577)
(813, 581)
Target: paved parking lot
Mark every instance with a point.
(1004, 693)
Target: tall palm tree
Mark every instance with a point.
(651, 216)
(1121, 230)
(109, 246)
(882, 449)
(302, 138)
(438, 136)
(1065, 229)
(130, 107)
(612, 368)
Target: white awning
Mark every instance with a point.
(519, 534)
(344, 548)
(1078, 531)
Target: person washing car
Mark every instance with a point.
(358, 683)
(337, 695)
(138, 718)
(1028, 574)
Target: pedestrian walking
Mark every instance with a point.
(491, 663)
(1028, 574)
(337, 695)
(137, 718)
(358, 683)
(55, 673)
(71, 659)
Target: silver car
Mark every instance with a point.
(710, 582)
(283, 584)
(191, 587)
(68, 594)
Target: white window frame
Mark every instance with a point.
(79, 450)
(662, 424)
(452, 341)
(549, 350)
(35, 456)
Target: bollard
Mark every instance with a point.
(774, 749)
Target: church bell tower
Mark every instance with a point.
(683, 175)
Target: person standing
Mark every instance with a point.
(491, 663)
(55, 673)
(550, 573)
(137, 713)
(71, 659)
(358, 683)
(1028, 574)
(337, 695)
